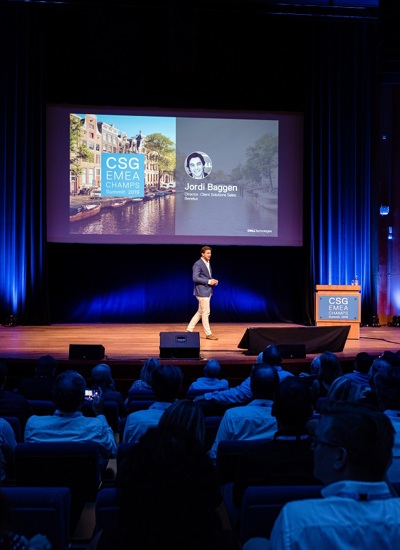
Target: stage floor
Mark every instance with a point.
(137, 342)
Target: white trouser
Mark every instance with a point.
(202, 313)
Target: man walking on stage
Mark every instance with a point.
(203, 289)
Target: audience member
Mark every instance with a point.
(288, 458)
(11, 403)
(210, 380)
(329, 369)
(242, 393)
(314, 368)
(169, 496)
(101, 377)
(68, 423)
(187, 415)
(144, 382)
(272, 356)
(346, 389)
(40, 386)
(7, 446)
(387, 386)
(167, 384)
(352, 451)
(362, 364)
(254, 420)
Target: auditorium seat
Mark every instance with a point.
(42, 407)
(228, 456)
(106, 511)
(44, 510)
(75, 465)
(211, 428)
(261, 507)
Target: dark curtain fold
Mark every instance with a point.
(343, 76)
(22, 205)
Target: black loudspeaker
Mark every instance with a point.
(86, 351)
(292, 351)
(179, 345)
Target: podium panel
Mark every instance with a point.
(339, 305)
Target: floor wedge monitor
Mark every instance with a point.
(179, 345)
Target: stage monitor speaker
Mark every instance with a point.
(292, 351)
(86, 351)
(179, 345)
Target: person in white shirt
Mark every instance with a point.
(358, 509)
(255, 420)
(166, 383)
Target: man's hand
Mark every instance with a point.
(213, 282)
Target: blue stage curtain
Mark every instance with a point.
(22, 197)
(343, 78)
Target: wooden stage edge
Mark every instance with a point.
(137, 342)
(127, 346)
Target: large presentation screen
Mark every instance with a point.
(141, 176)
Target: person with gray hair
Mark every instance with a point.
(210, 380)
(352, 452)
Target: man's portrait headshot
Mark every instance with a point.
(198, 165)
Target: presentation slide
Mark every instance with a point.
(165, 177)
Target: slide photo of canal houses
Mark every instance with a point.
(122, 174)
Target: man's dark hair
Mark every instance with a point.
(264, 380)
(292, 403)
(46, 365)
(366, 433)
(193, 156)
(330, 368)
(363, 362)
(69, 391)
(272, 355)
(167, 382)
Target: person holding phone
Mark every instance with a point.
(68, 422)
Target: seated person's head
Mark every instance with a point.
(363, 362)
(387, 387)
(101, 377)
(167, 382)
(69, 391)
(272, 355)
(212, 369)
(315, 364)
(329, 369)
(353, 442)
(46, 365)
(146, 372)
(345, 389)
(264, 380)
(292, 403)
(186, 414)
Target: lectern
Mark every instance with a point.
(339, 305)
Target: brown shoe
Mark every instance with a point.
(211, 337)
